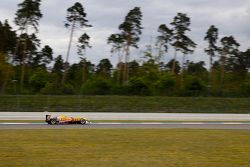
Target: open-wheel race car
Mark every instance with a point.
(62, 119)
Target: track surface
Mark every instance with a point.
(188, 125)
(222, 120)
(128, 116)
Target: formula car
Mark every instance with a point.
(62, 119)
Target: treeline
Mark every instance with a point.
(28, 68)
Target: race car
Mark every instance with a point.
(62, 119)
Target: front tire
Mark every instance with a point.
(83, 121)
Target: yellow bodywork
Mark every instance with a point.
(64, 118)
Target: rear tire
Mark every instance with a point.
(83, 121)
(53, 122)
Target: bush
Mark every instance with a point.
(165, 85)
(193, 86)
(96, 86)
(136, 86)
(68, 89)
(120, 90)
(38, 80)
(52, 89)
(245, 88)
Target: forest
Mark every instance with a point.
(27, 68)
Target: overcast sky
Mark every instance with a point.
(230, 16)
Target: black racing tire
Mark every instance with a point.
(53, 121)
(83, 121)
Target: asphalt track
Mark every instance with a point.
(172, 125)
(129, 116)
(183, 121)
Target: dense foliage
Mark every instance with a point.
(28, 68)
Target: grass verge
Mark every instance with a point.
(107, 148)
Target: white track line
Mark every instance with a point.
(177, 123)
(23, 123)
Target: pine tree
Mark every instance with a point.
(27, 16)
(130, 31)
(76, 18)
(211, 37)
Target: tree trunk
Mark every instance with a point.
(22, 74)
(3, 87)
(183, 62)
(119, 67)
(210, 76)
(160, 51)
(23, 60)
(126, 66)
(68, 52)
(5, 79)
(222, 74)
(84, 76)
(182, 70)
(174, 62)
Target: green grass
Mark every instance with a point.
(126, 148)
(125, 104)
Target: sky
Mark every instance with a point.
(231, 17)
